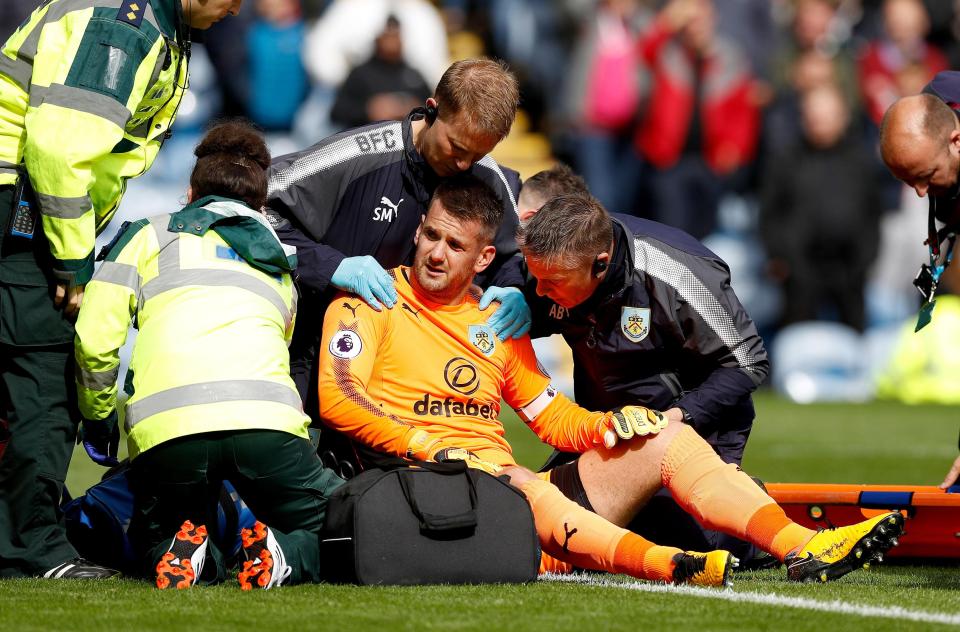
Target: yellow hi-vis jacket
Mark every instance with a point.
(924, 367)
(210, 290)
(88, 90)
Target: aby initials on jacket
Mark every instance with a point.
(558, 311)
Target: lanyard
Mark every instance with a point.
(928, 278)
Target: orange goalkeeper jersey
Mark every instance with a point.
(422, 366)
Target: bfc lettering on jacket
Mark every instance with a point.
(377, 140)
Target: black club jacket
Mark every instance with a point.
(663, 329)
(362, 192)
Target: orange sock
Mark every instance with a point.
(572, 534)
(722, 497)
(772, 531)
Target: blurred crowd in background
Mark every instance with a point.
(751, 124)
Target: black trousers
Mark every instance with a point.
(278, 475)
(38, 398)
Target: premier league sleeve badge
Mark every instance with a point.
(345, 344)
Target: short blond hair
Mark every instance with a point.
(483, 89)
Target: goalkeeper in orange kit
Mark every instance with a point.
(425, 379)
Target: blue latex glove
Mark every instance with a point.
(101, 439)
(513, 317)
(367, 279)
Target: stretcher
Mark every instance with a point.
(932, 528)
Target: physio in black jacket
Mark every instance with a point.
(920, 144)
(352, 202)
(651, 319)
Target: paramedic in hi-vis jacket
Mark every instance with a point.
(88, 92)
(210, 394)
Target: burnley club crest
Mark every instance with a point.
(635, 323)
(483, 338)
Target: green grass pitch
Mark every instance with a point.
(870, 443)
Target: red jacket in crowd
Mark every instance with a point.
(885, 74)
(730, 117)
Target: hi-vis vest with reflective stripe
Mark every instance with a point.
(211, 352)
(88, 88)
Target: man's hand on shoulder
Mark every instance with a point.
(513, 317)
(366, 278)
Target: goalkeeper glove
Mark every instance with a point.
(631, 421)
(459, 454)
(422, 446)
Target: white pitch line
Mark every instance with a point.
(835, 606)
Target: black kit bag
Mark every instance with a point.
(434, 523)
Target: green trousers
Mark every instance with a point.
(278, 475)
(37, 397)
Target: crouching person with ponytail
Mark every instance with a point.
(209, 289)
